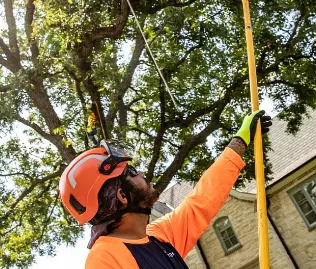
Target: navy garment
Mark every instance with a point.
(91, 135)
(156, 255)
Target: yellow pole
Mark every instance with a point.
(261, 193)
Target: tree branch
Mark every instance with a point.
(89, 40)
(217, 107)
(134, 101)
(152, 137)
(28, 208)
(159, 137)
(185, 122)
(187, 53)
(17, 174)
(172, 3)
(13, 43)
(183, 152)
(284, 82)
(296, 25)
(30, 9)
(36, 128)
(5, 48)
(125, 82)
(37, 92)
(41, 100)
(199, 138)
(5, 88)
(67, 153)
(46, 222)
(12, 228)
(113, 31)
(82, 101)
(11, 62)
(163, 126)
(141, 132)
(27, 191)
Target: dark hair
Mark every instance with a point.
(106, 196)
(109, 203)
(128, 188)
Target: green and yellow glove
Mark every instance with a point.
(248, 128)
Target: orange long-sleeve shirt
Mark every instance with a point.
(183, 226)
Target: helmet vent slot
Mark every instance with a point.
(76, 205)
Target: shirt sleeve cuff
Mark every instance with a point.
(234, 157)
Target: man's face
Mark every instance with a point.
(142, 193)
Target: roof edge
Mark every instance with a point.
(300, 173)
(244, 196)
(293, 171)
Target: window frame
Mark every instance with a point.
(300, 187)
(220, 238)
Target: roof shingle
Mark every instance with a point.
(289, 151)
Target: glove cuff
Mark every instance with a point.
(236, 136)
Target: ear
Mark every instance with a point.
(122, 196)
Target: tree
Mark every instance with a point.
(58, 57)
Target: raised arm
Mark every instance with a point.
(183, 226)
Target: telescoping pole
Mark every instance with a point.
(261, 193)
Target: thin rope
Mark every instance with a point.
(153, 58)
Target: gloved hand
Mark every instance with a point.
(248, 128)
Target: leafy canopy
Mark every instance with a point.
(58, 57)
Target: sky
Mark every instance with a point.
(67, 257)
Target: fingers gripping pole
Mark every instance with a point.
(261, 194)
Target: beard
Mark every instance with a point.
(145, 197)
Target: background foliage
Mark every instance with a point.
(57, 57)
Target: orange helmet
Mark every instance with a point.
(83, 178)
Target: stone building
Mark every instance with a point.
(231, 241)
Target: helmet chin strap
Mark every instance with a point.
(135, 209)
(129, 209)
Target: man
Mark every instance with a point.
(101, 188)
(91, 127)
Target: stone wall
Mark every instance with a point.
(300, 241)
(244, 221)
(194, 259)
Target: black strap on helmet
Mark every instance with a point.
(129, 209)
(135, 209)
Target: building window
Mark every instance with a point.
(226, 235)
(304, 198)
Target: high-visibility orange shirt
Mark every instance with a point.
(183, 226)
